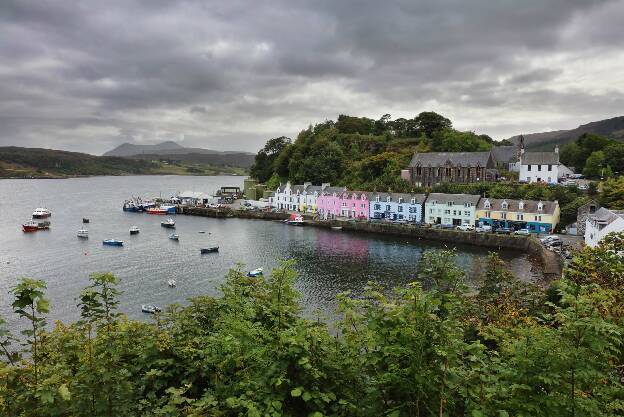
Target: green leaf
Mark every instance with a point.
(306, 396)
(296, 392)
(64, 392)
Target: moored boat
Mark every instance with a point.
(210, 250)
(134, 230)
(151, 309)
(30, 226)
(85, 220)
(113, 242)
(295, 220)
(255, 273)
(336, 227)
(169, 223)
(156, 210)
(171, 283)
(173, 236)
(83, 233)
(41, 213)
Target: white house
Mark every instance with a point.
(601, 223)
(300, 198)
(451, 209)
(539, 166)
(284, 199)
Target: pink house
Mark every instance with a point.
(354, 205)
(328, 203)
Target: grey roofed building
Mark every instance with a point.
(442, 198)
(540, 158)
(504, 155)
(439, 159)
(394, 197)
(606, 216)
(331, 190)
(530, 206)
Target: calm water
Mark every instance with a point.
(329, 262)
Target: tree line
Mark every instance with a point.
(435, 347)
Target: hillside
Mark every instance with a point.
(175, 152)
(17, 162)
(611, 128)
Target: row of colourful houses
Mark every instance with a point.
(436, 208)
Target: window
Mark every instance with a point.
(504, 215)
(454, 212)
(540, 206)
(400, 200)
(488, 214)
(450, 204)
(467, 204)
(466, 213)
(487, 204)
(521, 205)
(447, 211)
(412, 210)
(344, 204)
(528, 167)
(504, 205)
(539, 167)
(388, 207)
(519, 217)
(400, 210)
(413, 201)
(400, 216)
(388, 199)
(377, 207)
(377, 198)
(550, 167)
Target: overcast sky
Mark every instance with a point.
(228, 75)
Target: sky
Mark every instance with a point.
(228, 75)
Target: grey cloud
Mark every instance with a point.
(228, 75)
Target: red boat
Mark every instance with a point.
(156, 210)
(33, 226)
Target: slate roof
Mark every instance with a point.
(331, 190)
(505, 153)
(312, 188)
(530, 206)
(606, 216)
(441, 198)
(540, 158)
(463, 159)
(394, 197)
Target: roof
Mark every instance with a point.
(606, 216)
(454, 158)
(505, 153)
(312, 188)
(191, 194)
(565, 171)
(441, 198)
(331, 190)
(530, 206)
(420, 198)
(540, 158)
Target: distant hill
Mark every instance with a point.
(17, 162)
(173, 151)
(612, 128)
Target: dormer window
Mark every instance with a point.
(400, 200)
(388, 199)
(377, 199)
(413, 201)
(450, 204)
(467, 205)
(487, 204)
(540, 206)
(504, 205)
(521, 205)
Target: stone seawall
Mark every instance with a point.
(551, 262)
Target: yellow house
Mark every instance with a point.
(536, 216)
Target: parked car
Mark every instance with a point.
(465, 227)
(555, 243)
(524, 232)
(503, 230)
(548, 239)
(484, 228)
(447, 226)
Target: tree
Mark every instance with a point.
(428, 122)
(263, 166)
(614, 157)
(612, 195)
(595, 164)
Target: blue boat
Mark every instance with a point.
(255, 273)
(113, 242)
(132, 207)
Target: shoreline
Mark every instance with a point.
(551, 263)
(122, 175)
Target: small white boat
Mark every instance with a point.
(134, 230)
(336, 227)
(173, 236)
(41, 213)
(171, 283)
(148, 308)
(255, 273)
(83, 233)
(170, 223)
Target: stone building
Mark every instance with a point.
(427, 169)
(583, 213)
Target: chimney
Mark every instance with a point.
(325, 185)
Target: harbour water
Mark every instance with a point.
(328, 261)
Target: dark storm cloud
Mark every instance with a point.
(227, 75)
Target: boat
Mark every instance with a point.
(134, 230)
(169, 209)
(336, 227)
(169, 223)
(295, 220)
(30, 226)
(41, 213)
(173, 236)
(85, 220)
(201, 231)
(83, 233)
(113, 242)
(151, 309)
(131, 206)
(210, 250)
(137, 205)
(255, 273)
(171, 283)
(156, 210)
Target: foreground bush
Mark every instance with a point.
(430, 349)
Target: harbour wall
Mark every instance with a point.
(552, 263)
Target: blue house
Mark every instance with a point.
(397, 206)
